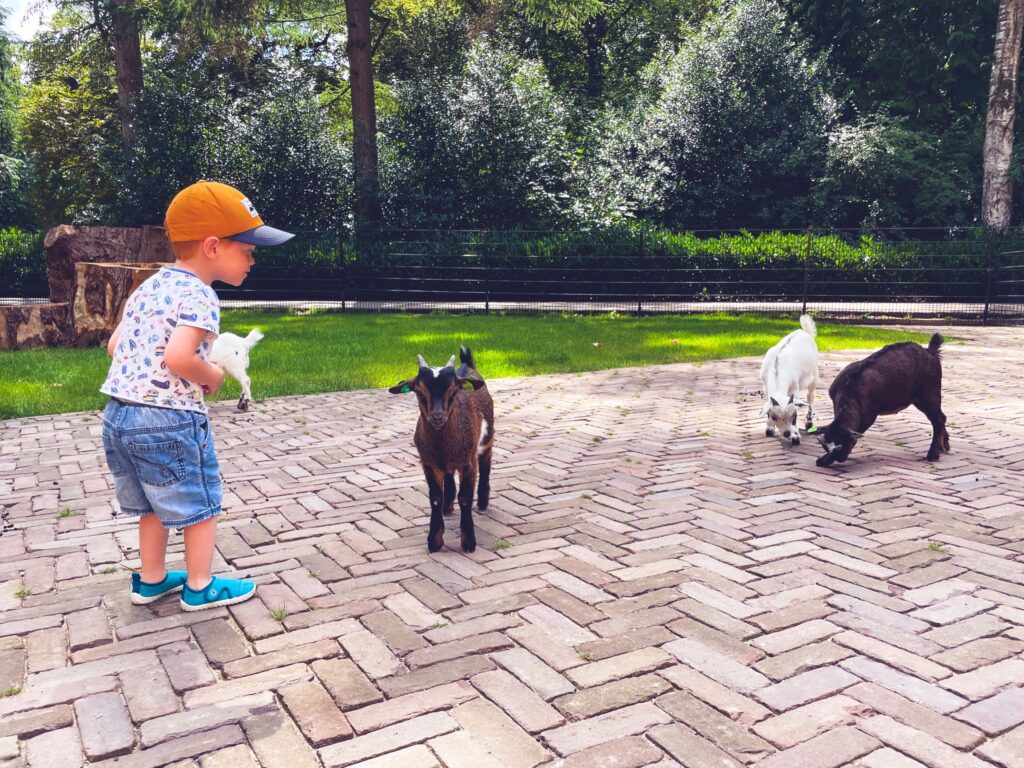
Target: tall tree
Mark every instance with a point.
(127, 64)
(366, 206)
(997, 189)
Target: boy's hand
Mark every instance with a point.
(212, 385)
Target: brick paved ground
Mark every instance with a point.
(679, 590)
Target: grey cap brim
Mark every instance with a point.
(263, 236)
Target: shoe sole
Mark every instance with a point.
(231, 601)
(140, 600)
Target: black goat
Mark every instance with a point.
(455, 433)
(893, 378)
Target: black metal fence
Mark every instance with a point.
(928, 274)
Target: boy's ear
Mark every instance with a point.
(402, 387)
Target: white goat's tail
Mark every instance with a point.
(253, 338)
(808, 325)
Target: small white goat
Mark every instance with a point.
(789, 368)
(231, 353)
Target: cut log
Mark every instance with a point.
(101, 290)
(23, 326)
(67, 246)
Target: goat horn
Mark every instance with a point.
(451, 362)
(421, 361)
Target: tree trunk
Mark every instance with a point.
(127, 65)
(997, 190)
(364, 115)
(595, 31)
(101, 290)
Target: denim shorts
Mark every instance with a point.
(163, 463)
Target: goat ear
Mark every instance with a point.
(401, 388)
(774, 401)
(801, 403)
(764, 409)
(471, 382)
(791, 398)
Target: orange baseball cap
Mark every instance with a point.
(211, 209)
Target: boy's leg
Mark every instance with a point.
(199, 542)
(152, 548)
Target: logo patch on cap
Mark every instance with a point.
(249, 207)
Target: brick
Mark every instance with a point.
(690, 749)
(597, 730)
(277, 743)
(219, 641)
(251, 665)
(629, 752)
(148, 693)
(499, 734)
(895, 657)
(136, 644)
(410, 757)
(795, 637)
(244, 686)
(727, 645)
(372, 656)
(611, 696)
(332, 629)
(201, 743)
(460, 750)
(214, 715)
(635, 662)
(979, 653)
(438, 674)
(393, 632)
(555, 624)
(916, 715)
(387, 739)
(486, 643)
(56, 749)
(555, 654)
(87, 629)
(186, 666)
(46, 649)
(542, 679)
(734, 738)
(803, 723)
(520, 703)
(802, 659)
(346, 683)
(984, 682)
(738, 707)
(918, 745)
(911, 687)
(998, 713)
(952, 610)
(30, 724)
(313, 710)
(829, 750)
(239, 756)
(716, 666)
(1006, 749)
(392, 711)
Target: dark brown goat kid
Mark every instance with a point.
(893, 378)
(455, 433)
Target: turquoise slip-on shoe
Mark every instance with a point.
(143, 592)
(218, 592)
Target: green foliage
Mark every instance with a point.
(15, 172)
(487, 148)
(735, 136)
(23, 263)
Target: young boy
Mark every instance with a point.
(156, 435)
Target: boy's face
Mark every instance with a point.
(233, 261)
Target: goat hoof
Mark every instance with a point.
(468, 542)
(481, 504)
(795, 441)
(243, 405)
(824, 461)
(933, 456)
(769, 433)
(448, 512)
(435, 542)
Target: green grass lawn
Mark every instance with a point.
(304, 354)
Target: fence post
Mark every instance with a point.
(341, 267)
(807, 271)
(639, 273)
(989, 270)
(487, 271)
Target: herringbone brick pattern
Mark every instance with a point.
(657, 583)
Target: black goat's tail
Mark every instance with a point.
(935, 343)
(466, 357)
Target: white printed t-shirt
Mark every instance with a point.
(138, 374)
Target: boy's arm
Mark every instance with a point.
(182, 358)
(112, 342)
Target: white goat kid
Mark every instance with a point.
(231, 353)
(789, 368)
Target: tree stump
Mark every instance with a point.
(67, 246)
(24, 326)
(101, 290)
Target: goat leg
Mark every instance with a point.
(246, 398)
(826, 461)
(467, 478)
(449, 493)
(435, 538)
(483, 492)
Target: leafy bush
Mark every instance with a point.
(22, 264)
